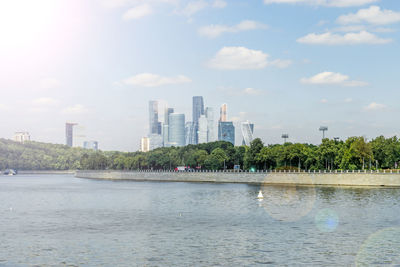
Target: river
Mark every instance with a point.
(53, 220)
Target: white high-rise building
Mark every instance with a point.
(22, 137)
(145, 144)
(203, 129)
(210, 125)
(247, 132)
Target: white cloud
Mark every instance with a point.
(348, 100)
(372, 15)
(329, 38)
(331, 78)
(241, 58)
(213, 31)
(45, 101)
(324, 101)
(75, 110)
(375, 106)
(251, 91)
(49, 83)
(154, 80)
(235, 58)
(351, 28)
(219, 4)
(328, 3)
(281, 63)
(196, 6)
(137, 12)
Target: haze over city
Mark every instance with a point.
(99, 63)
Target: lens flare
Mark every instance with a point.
(326, 220)
(381, 248)
(288, 202)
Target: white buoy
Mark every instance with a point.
(260, 195)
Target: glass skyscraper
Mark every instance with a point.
(69, 133)
(198, 110)
(247, 132)
(154, 126)
(176, 129)
(226, 131)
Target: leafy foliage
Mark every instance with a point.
(354, 153)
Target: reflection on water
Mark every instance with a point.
(61, 220)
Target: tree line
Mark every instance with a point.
(351, 154)
(355, 153)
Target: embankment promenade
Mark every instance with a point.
(347, 178)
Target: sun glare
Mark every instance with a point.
(24, 22)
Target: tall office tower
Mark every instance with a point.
(202, 132)
(176, 129)
(159, 128)
(166, 115)
(155, 141)
(247, 132)
(69, 133)
(223, 113)
(226, 131)
(198, 110)
(210, 124)
(190, 133)
(22, 137)
(153, 118)
(165, 135)
(167, 111)
(145, 144)
(94, 145)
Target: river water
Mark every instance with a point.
(53, 220)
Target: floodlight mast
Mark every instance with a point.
(323, 129)
(285, 136)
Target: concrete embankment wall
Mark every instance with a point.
(47, 172)
(331, 179)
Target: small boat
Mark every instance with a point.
(260, 195)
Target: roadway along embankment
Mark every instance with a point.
(328, 179)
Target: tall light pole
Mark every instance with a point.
(285, 136)
(323, 129)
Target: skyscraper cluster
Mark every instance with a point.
(176, 131)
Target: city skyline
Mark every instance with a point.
(331, 64)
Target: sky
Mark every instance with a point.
(288, 66)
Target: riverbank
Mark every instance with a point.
(265, 178)
(48, 172)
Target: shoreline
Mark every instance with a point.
(362, 179)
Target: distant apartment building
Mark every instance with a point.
(69, 133)
(145, 144)
(93, 145)
(176, 129)
(226, 131)
(22, 137)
